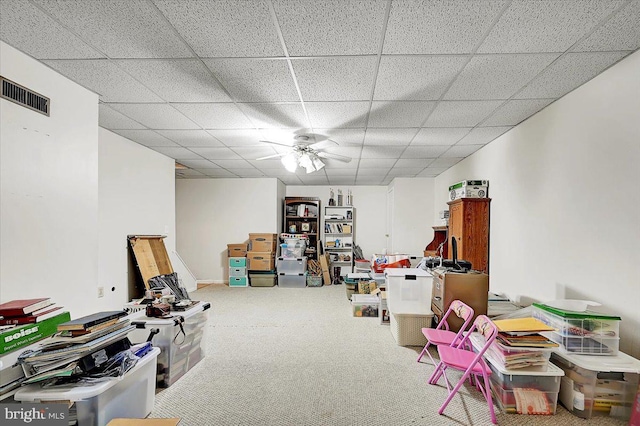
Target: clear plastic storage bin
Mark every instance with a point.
(365, 305)
(408, 290)
(292, 281)
(292, 265)
(131, 396)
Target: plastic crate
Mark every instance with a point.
(292, 250)
(292, 281)
(131, 396)
(238, 272)
(406, 329)
(364, 305)
(238, 281)
(258, 279)
(237, 262)
(598, 386)
(292, 265)
(314, 281)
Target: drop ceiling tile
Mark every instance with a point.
(497, 76)
(622, 32)
(389, 136)
(439, 135)
(255, 80)
(112, 119)
(483, 135)
(275, 115)
(233, 164)
(190, 174)
(280, 173)
(119, 28)
(179, 154)
(226, 28)
(431, 172)
(305, 25)
(413, 162)
(377, 162)
(217, 153)
(545, 26)
(290, 179)
(146, 137)
(267, 164)
(219, 173)
(344, 137)
(253, 152)
(199, 164)
(347, 151)
(215, 115)
(336, 78)
(176, 80)
(284, 136)
(368, 180)
(399, 114)
(340, 172)
(106, 79)
(335, 164)
(461, 113)
(379, 151)
(247, 173)
(378, 171)
(405, 171)
(191, 138)
(427, 27)
(569, 72)
(342, 180)
(317, 178)
(50, 41)
(515, 111)
(232, 137)
(155, 116)
(336, 115)
(425, 151)
(445, 162)
(416, 77)
(461, 151)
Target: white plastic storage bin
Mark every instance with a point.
(293, 265)
(406, 329)
(292, 281)
(180, 352)
(294, 249)
(522, 390)
(598, 386)
(408, 290)
(365, 305)
(95, 405)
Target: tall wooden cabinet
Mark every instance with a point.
(469, 225)
(302, 217)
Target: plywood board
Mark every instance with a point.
(151, 256)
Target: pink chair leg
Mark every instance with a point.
(487, 395)
(452, 393)
(424, 350)
(435, 376)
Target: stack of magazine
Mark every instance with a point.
(519, 343)
(81, 346)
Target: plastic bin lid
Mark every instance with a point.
(425, 313)
(141, 316)
(75, 393)
(619, 363)
(576, 315)
(401, 272)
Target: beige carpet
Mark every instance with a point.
(280, 356)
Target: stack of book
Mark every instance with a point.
(79, 347)
(28, 311)
(519, 343)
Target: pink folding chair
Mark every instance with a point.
(473, 365)
(442, 335)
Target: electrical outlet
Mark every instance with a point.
(100, 291)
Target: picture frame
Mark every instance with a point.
(306, 227)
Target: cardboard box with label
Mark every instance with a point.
(263, 242)
(469, 189)
(261, 261)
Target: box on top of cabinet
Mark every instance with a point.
(469, 189)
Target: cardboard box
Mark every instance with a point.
(261, 261)
(263, 242)
(469, 189)
(324, 265)
(20, 336)
(237, 250)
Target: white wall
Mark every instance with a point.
(48, 189)
(565, 210)
(211, 213)
(413, 217)
(136, 196)
(371, 214)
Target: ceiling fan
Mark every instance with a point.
(305, 154)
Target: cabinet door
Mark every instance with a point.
(456, 229)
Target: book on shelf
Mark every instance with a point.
(23, 306)
(34, 317)
(88, 321)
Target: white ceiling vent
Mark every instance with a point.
(22, 96)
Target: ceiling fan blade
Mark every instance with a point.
(282, 154)
(278, 143)
(323, 144)
(334, 156)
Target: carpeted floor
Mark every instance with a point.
(280, 356)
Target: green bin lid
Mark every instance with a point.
(577, 315)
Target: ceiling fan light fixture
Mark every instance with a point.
(290, 162)
(306, 162)
(317, 162)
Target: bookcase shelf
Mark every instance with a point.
(338, 236)
(302, 217)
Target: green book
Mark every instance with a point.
(20, 336)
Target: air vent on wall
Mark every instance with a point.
(22, 96)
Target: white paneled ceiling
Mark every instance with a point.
(404, 87)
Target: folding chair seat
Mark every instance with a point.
(471, 363)
(442, 335)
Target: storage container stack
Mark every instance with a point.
(237, 254)
(292, 265)
(261, 260)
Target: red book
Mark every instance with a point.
(34, 317)
(19, 307)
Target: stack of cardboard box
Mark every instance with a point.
(262, 252)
